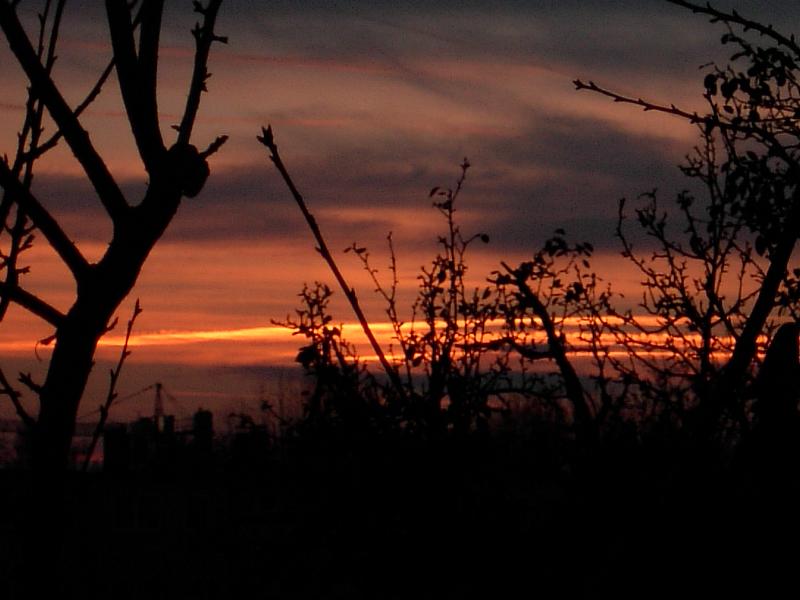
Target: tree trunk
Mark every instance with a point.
(106, 286)
(70, 366)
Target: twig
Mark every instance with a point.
(735, 17)
(26, 379)
(268, 140)
(708, 122)
(692, 117)
(14, 396)
(204, 37)
(112, 387)
(214, 146)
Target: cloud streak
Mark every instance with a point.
(373, 104)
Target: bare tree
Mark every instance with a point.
(174, 171)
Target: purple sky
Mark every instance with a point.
(373, 103)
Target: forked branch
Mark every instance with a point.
(52, 231)
(14, 396)
(572, 383)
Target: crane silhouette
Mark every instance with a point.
(162, 423)
(161, 394)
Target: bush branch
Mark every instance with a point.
(267, 140)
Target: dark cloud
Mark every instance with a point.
(555, 170)
(558, 172)
(588, 166)
(647, 36)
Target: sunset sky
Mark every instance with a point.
(373, 104)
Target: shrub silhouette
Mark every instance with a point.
(716, 282)
(464, 352)
(718, 286)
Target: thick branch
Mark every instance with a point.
(745, 349)
(52, 231)
(572, 383)
(149, 37)
(32, 303)
(137, 85)
(78, 139)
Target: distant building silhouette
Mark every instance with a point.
(250, 443)
(155, 444)
(202, 439)
(116, 449)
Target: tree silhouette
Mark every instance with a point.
(716, 291)
(174, 171)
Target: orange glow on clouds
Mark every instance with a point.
(398, 114)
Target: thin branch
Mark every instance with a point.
(112, 387)
(268, 140)
(214, 146)
(32, 303)
(767, 137)
(204, 37)
(14, 396)
(23, 171)
(735, 17)
(26, 379)
(107, 189)
(52, 231)
(692, 117)
(51, 143)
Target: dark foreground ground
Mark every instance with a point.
(411, 521)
